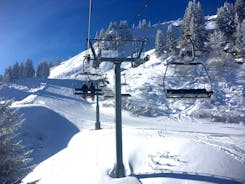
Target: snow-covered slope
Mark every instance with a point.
(164, 141)
(145, 84)
(155, 150)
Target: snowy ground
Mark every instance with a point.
(60, 128)
(175, 141)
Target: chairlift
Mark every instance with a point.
(88, 91)
(125, 87)
(187, 79)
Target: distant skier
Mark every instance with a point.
(92, 90)
(84, 91)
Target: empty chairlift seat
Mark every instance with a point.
(187, 80)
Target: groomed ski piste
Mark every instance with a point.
(164, 141)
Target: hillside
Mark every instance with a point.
(164, 140)
(59, 127)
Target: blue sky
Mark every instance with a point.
(56, 29)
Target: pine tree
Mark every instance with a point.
(139, 24)
(185, 28)
(1, 79)
(43, 69)
(170, 40)
(102, 33)
(240, 10)
(29, 69)
(51, 64)
(22, 71)
(123, 24)
(7, 75)
(149, 24)
(13, 157)
(124, 32)
(226, 20)
(194, 25)
(159, 44)
(216, 43)
(112, 27)
(15, 70)
(240, 37)
(57, 62)
(144, 23)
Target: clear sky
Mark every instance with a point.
(57, 29)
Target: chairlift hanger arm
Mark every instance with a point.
(92, 49)
(141, 48)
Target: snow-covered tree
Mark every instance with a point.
(159, 43)
(144, 23)
(102, 33)
(29, 69)
(14, 159)
(240, 10)
(216, 43)
(240, 37)
(123, 24)
(43, 69)
(114, 34)
(139, 24)
(226, 20)
(170, 40)
(112, 27)
(123, 31)
(194, 25)
(149, 24)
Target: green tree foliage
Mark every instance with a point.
(14, 159)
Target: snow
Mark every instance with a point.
(164, 141)
(178, 153)
(59, 127)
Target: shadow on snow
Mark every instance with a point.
(190, 176)
(45, 132)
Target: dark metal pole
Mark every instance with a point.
(119, 168)
(97, 124)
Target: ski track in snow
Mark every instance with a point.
(224, 144)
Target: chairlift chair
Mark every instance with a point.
(126, 85)
(187, 80)
(85, 90)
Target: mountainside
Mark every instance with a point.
(145, 84)
(164, 140)
(59, 127)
